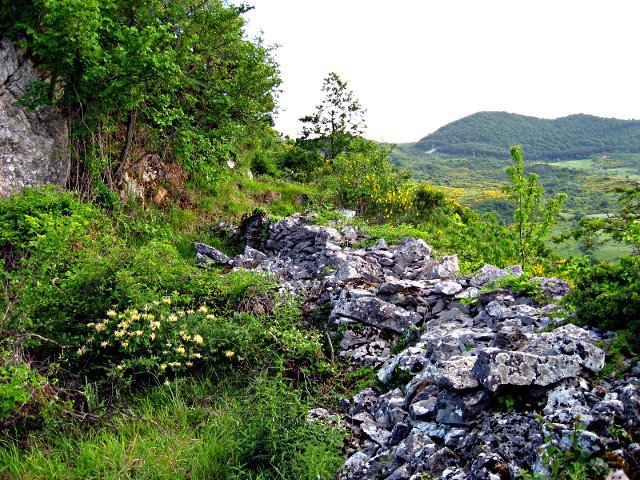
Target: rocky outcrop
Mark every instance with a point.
(33, 144)
(485, 380)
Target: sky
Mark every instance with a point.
(416, 65)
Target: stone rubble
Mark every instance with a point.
(484, 382)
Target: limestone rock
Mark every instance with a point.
(33, 144)
(455, 373)
(207, 254)
(376, 312)
(496, 368)
(445, 268)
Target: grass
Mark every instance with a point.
(607, 250)
(162, 436)
(233, 197)
(195, 428)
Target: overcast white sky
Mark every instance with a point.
(416, 65)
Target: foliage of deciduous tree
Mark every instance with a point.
(623, 226)
(534, 215)
(337, 120)
(137, 77)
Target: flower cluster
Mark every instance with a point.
(158, 339)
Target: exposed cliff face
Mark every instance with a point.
(33, 144)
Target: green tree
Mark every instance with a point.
(534, 215)
(338, 120)
(146, 77)
(623, 226)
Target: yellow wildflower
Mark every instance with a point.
(100, 327)
(203, 309)
(198, 339)
(104, 344)
(152, 336)
(166, 300)
(172, 318)
(181, 350)
(111, 313)
(229, 354)
(154, 325)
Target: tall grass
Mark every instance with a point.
(206, 428)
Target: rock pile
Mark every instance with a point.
(485, 379)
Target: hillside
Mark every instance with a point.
(197, 296)
(490, 134)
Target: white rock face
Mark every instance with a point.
(33, 144)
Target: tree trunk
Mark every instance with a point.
(131, 128)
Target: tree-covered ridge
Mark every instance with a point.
(490, 134)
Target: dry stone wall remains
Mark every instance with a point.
(489, 380)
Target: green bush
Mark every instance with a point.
(60, 259)
(607, 295)
(25, 395)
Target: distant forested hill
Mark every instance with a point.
(490, 134)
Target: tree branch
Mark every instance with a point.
(9, 333)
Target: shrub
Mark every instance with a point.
(166, 338)
(59, 262)
(369, 183)
(607, 295)
(25, 395)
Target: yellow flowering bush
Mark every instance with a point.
(368, 182)
(155, 339)
(164, 338)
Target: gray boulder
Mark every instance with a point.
(33, 144)
(206, 254)
(495, 368)
(376, 312)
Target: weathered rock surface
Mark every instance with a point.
(33, 144)
(478, 388)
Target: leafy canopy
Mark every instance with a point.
(138, 77)
(623, 226)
